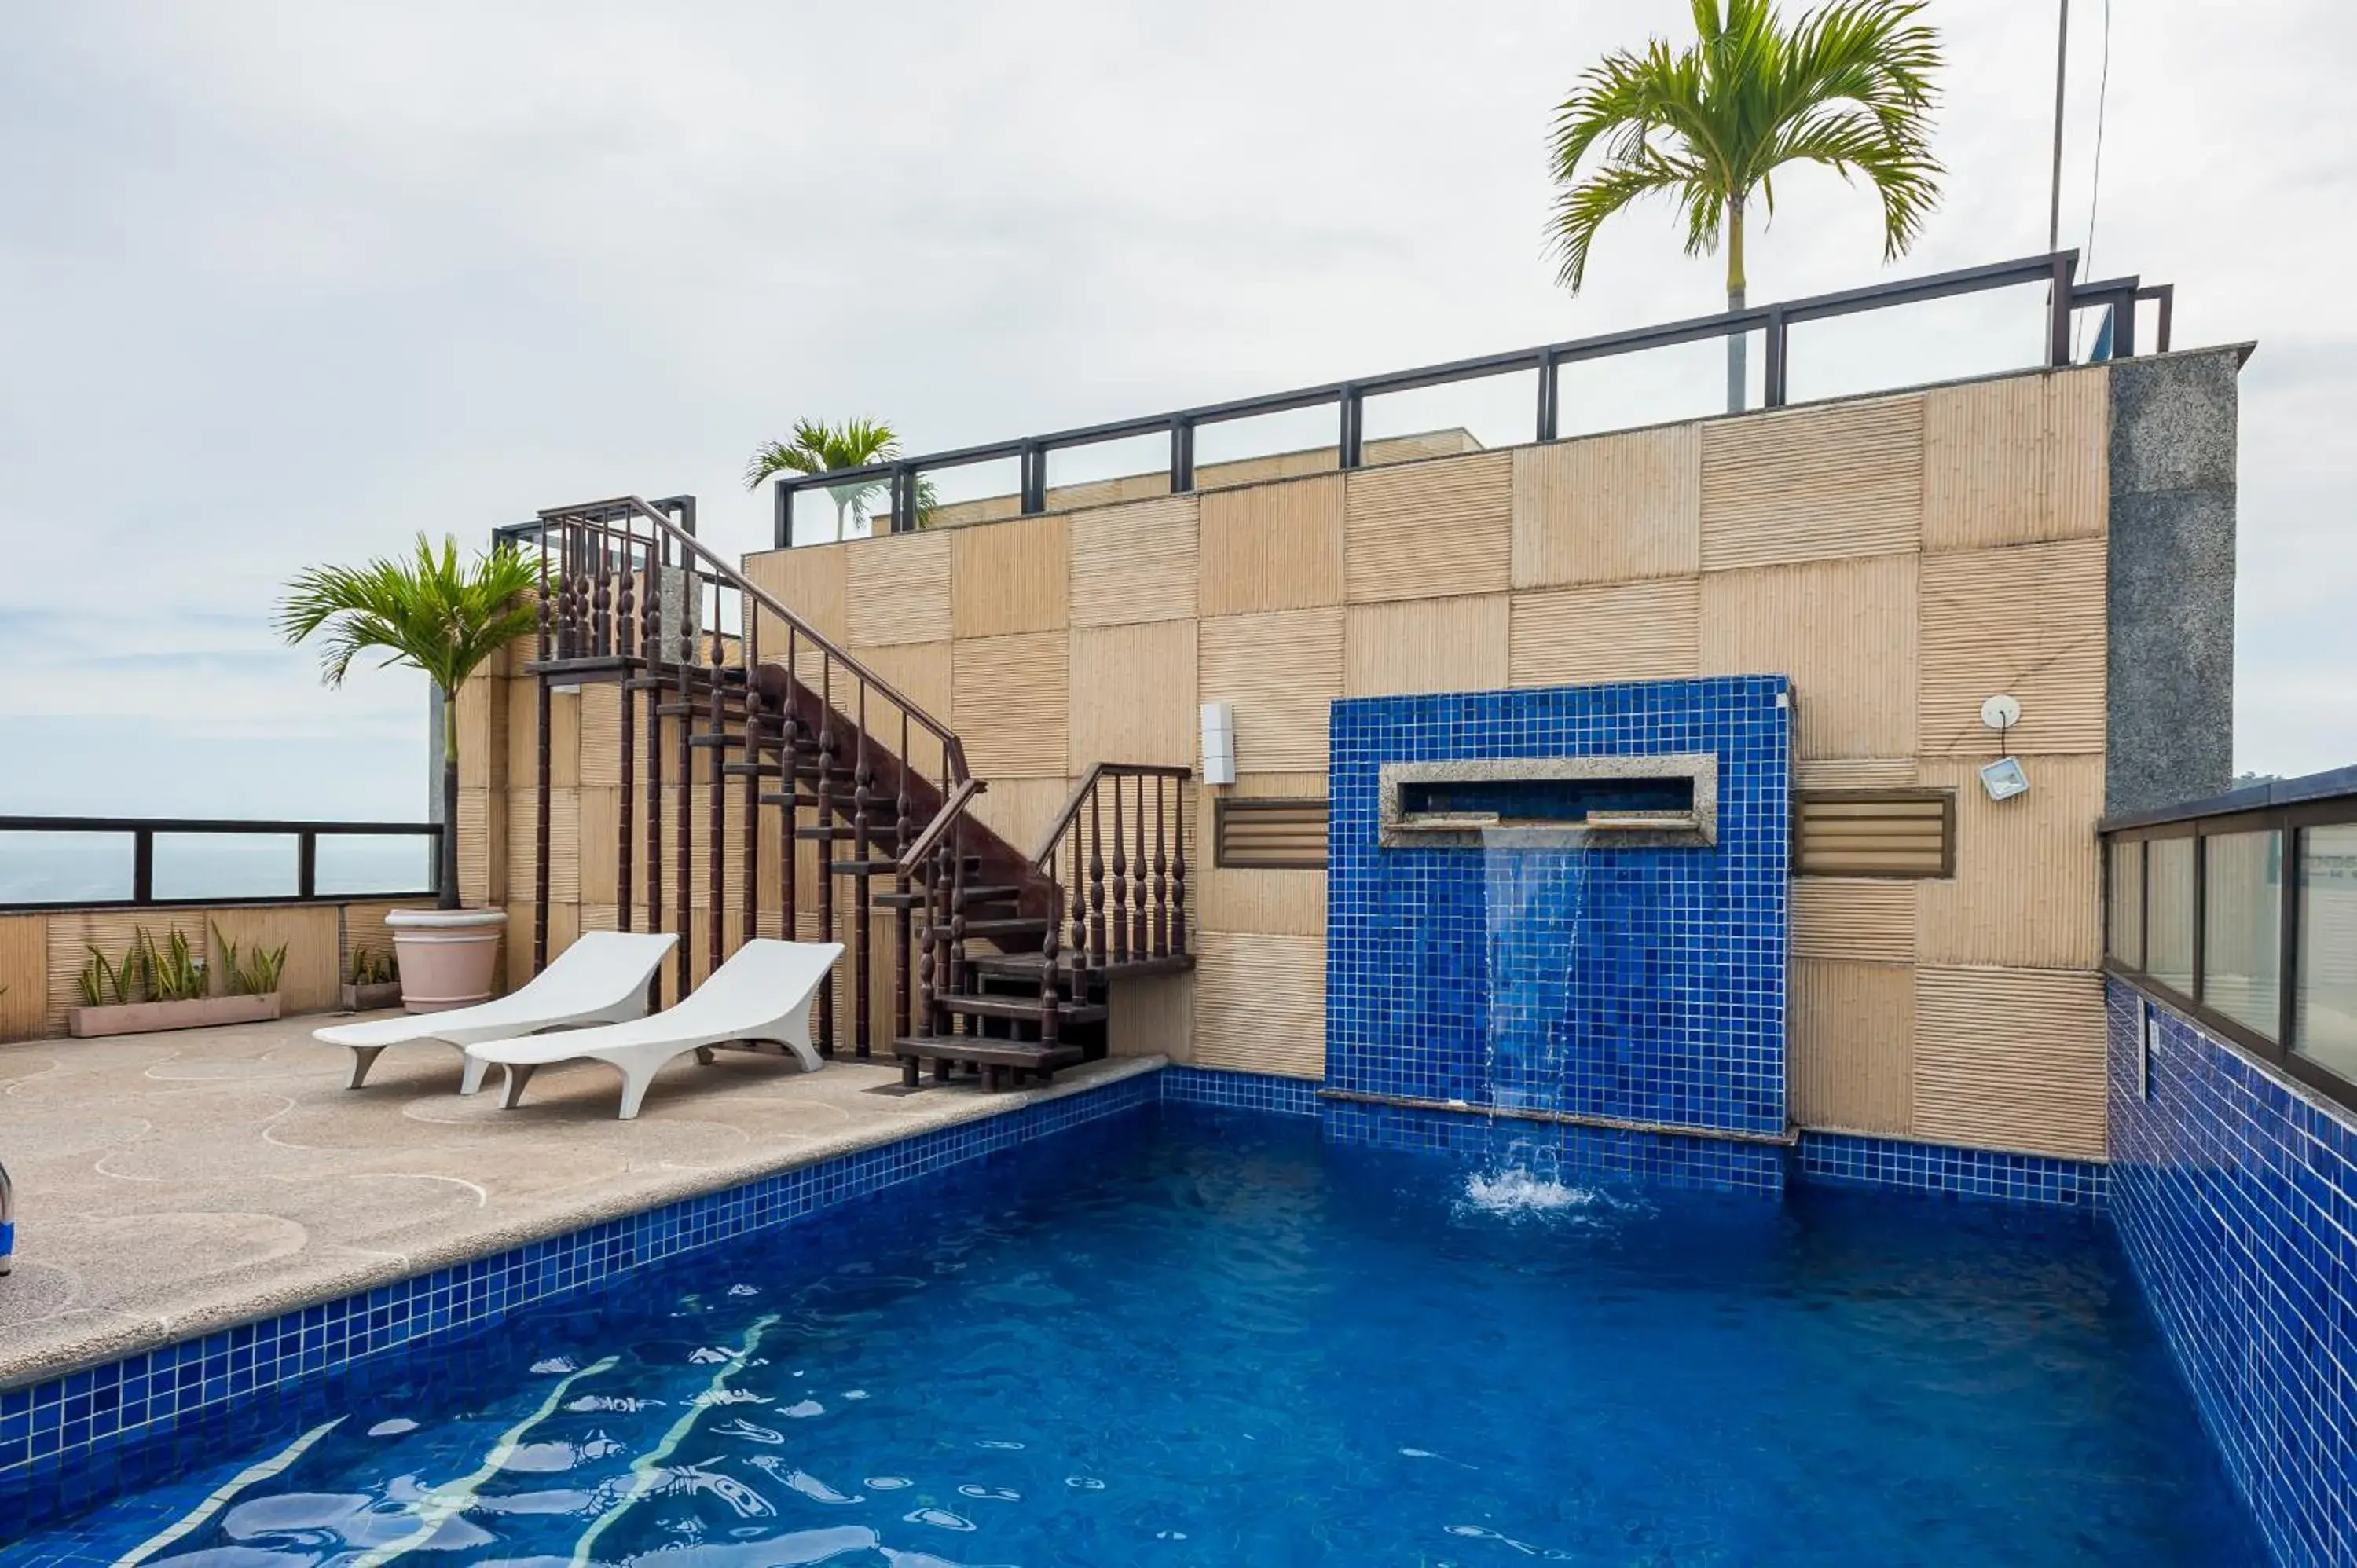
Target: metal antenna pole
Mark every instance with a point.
(2062, 60)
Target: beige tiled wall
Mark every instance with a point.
(1901, 557)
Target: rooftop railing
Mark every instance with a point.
(2241, 913)
(2058, 270)
(104, 863)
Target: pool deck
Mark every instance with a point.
(171, 1184)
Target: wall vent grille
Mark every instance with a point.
(1287, 835)
(1876, 832)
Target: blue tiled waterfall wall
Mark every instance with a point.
(2235, 1197)
(1628, 986)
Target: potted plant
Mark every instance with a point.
(432, 614)
(372, 982)
(155, 987)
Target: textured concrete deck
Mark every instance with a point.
(170, 1184)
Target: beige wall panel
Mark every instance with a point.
(2010, 1058)
(923, 673)
(1019, 810)
(482, 847)
(1425, 645)
(2027, 892)
(522, 730)
(1011, 697)
(1609, 509)
(1135, 562)
(598, 843)
(1852, 1043)
(313, 936)
(602, 735)
(1855, 773)
(813, 582)
(71, 936)
(564, 740)
(1009, 577)
(1282, 671)
(2016, 461)
(1134, 695)
(2028, 621)
(1305, 786)
(1272, 547)
(600, 917)
(1277, 903)
(897, 589)
(1259, 1003)
(1428, 530)
(1845, 479)
(482, 731)
(564, 846)
(1869, 919)
(1844, 630)
(1152, 1015)
(1632, 631)
(25, 974)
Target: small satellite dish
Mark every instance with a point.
(2000, 712)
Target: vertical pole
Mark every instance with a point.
(307, 864)
(627, 695)
(863, 795)
(1351, 409)
(1772, 370)
(2288, 962)
(143, 864)
(1178, 875)
(651, 652)
(539, 831)
(790, 793)
(823, 788)
(1547, 381)
(2057, 348)
(2061, 64)
(1182, 455)
(781, 521)
(1120, 877)
(904, 832)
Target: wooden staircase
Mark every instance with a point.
(997, 964)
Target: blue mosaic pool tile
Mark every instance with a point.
(2234, 1193)
(1717, 1165)
(1641, 984)
(58, 1439)
(1849, 1159)
(1239, 1090)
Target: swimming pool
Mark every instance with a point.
(1193, 1336)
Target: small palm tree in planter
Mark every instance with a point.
(818, 447)
(431, 613)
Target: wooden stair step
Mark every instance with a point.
(863, 867)
(915, 897)
(996, 1060)
(1023, 1009)
(877, 834)
(1025, 965)
(751, 769)
(778, 797)
(1013, 925)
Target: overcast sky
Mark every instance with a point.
(286, 283)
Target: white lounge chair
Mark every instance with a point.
(601, 978)
(763, 992)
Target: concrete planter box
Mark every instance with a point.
(368, 998)
(144, 1017)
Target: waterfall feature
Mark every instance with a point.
(1535, 918)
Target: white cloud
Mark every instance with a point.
(308, 276)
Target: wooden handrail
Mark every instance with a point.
(597, 515)
(913, 857)
(1063, 821)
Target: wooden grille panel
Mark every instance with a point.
(1270, 834)
(1876, 833)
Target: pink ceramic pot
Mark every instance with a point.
(447, 956)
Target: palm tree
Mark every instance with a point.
(430, 613)
(818, 447)
(1849, 85)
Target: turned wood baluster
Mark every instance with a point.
(1161, 871)
(904, 834)
(1050, 1011)
(825, 815)
(924, 1020)
(629, 748)
(1179, 870)
(1096, 883)
(957, 907)
(942, 879)
(1120, 876)
(715, 854)
(540, 645)
(602, 604)
(682, 960)
(1072, 840)
(863, 795)
(1141, 888)
(790, 729)
(749, 753)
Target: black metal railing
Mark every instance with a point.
(2058, 270)
(140, 834)
(2241, 912)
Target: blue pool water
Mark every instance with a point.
(1210, 1339)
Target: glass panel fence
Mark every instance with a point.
(348, 864)
(2325, 1016)
(2168, 920)
(2124, 934)
(225, 865)
(2241, 928)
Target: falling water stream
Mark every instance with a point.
(1535, 913)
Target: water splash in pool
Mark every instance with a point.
(1516, 1193)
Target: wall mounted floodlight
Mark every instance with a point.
(2004, 779)
(1219, 743)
